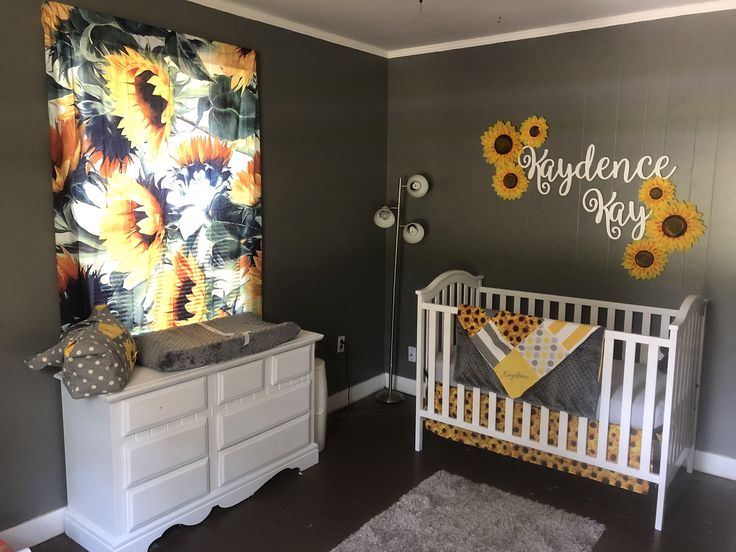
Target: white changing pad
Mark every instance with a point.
(617, 376)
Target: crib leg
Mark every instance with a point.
(419, 434)
(691, 459)
(661, 490)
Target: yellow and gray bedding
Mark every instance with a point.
(535, 456)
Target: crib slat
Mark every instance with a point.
(431, 354)
(526, 420)
(509, 420)
(460, 414)
(649, 400)
(593, 316)
(605, 401)
(544, 426)
(476, 406)
(646, 323)
(562, 434)
(664, 326)
(517, 304)
(442, 296)
(578, 313)
(628, 320)
(492, 410)
(446, 342)
(625, 428)
(610, 318)
(545, 308)
(582, 435)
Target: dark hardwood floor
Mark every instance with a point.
(370, 462)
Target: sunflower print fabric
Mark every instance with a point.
(535, 456)
(155, 171)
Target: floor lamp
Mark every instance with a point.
(416, 186)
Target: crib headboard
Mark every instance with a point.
(456, 287)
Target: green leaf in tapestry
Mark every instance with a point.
(233, 115)
(185, 56)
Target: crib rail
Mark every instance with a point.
(636, 337)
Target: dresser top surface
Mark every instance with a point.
(144, 380)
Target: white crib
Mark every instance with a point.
(634, 334)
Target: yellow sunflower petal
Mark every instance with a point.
(676, 225)
(510, 182)
(501, 144)
(644, 259)
(534, 131)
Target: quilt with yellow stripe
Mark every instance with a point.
(546, 362)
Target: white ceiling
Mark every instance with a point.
(394, 28)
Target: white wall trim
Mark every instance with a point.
(35, 531)
(715, 464)
(235, 8)
(358, 391)
(405, 385)
(238, 9)
(584, 25)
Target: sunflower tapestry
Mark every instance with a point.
(155, 165)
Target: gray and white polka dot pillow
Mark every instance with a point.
(96, 356)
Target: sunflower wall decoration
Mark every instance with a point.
(155, 171)
(673, 225)
(502, 145)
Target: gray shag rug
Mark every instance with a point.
(446, 513)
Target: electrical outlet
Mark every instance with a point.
(412, 354)
(340, 343)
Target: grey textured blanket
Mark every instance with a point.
(572, 386)
(223, 339)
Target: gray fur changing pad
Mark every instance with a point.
(211, 342)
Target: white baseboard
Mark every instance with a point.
(715, 464)
(405, 385)
(35, 531)
(358, 391)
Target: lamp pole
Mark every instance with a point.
(390, 395)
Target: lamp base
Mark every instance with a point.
(389, 396)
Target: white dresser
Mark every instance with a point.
(170, 446)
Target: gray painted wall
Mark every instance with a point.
(324, 167)
(651, 88)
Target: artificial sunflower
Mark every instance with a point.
(233, 61)
(510, 182)
(534, 131)
(132, 228)
(656, 192)
(246, 188)
(252, 270)
(644, 259)
(52, 14)
(204, 151)
(142, 97)
(66, 148)
(179, 294)
(676, 226)
(501, 144)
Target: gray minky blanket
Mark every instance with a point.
(447, 513)
(571, 387)
(223, 339)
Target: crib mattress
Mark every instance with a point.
(538, 457)
(617, 377)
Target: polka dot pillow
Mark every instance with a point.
(96, 356)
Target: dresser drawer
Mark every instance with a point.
(242, 422)
(166, 493)
(166, 404)
(290, 365)
(164, 452)
(250, 455)
(239, 381)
